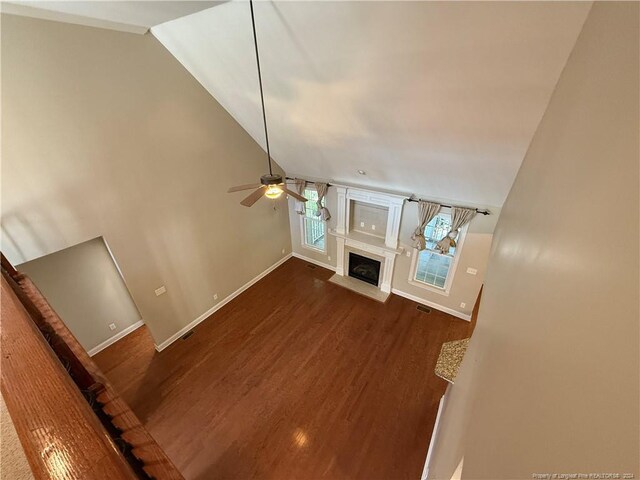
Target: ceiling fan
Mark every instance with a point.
(271, 185)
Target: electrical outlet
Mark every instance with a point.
(329, 258)
(215, 296)
(283, 250)
(112, 326)
(408, 253)
(373, 227)
(472, 271)
(362, 224)
(160, 291)
(463, 305)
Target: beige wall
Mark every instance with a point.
(105, 134)
(550, 381)
(474, 254)
(83, 285)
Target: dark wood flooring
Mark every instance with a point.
(297, 378)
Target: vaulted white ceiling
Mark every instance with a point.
(440, 99)
(129, 16)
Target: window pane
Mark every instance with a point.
(311, 206)
(314, 232)
(436, 229)
(433, 268)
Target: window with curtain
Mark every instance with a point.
(432, 268)
(313, 228)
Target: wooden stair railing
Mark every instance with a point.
(71, 422)
(476, 309)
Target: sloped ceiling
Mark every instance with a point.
(129, 16)
(440, 99)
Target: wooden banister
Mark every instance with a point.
(71, 422)
(476, 309)
(61, 436)
(6, 266)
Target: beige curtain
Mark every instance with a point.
(323, 213)
(459, 218)
(426, 212)
(299, 186)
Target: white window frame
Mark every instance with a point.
(303, 236)
(452, 270)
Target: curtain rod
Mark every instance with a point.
(410, 199)
(309, 181)
(481, 212)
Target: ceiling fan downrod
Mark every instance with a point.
(264, 112)
(271, 185)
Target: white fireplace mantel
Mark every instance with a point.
(386, 247)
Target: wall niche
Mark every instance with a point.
(368, 218)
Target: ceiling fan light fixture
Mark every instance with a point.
(273, 191)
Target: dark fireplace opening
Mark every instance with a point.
(363, 268)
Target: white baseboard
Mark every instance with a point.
(115, 338)
(315, 262)
(444, 309)
(219, 305)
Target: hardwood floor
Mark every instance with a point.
(297, 378)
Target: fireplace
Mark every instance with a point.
(363, 268)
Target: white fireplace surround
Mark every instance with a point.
(382, 249)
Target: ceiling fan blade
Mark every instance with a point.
(293, 194)
(244, 187)
(254, 197)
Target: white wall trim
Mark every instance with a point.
(442, 308)
(115, 338)
(434, 435)
(315, 262)
(219, 305)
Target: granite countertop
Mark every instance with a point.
(450, 358)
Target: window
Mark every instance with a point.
(313, 227)
(430, 267)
